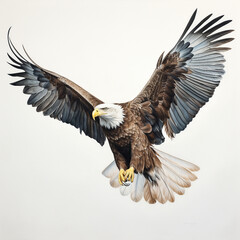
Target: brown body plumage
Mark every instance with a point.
(129, 138)
(181, 84)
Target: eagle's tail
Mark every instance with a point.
(170, 175)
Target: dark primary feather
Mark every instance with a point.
(56, 96)
(187, 77)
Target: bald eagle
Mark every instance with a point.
(182, 82)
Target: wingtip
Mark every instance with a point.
(220, 17)
(8, 34)
(12, 74)
(12, 83)
(9, 30)
(194, 13)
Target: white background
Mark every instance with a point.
(51, 187)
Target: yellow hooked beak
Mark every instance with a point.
(97, 113)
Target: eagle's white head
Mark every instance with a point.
(110, 115)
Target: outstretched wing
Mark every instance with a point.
(187, 77)
(57, 96)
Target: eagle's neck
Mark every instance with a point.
(114, 117)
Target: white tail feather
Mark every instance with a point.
(136, 189)
(175, 176)
(170, 175)
(111, 171)
(114, 182)
(125, 190)
(175, 160)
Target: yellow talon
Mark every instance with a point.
(129, 174)
(121, 176)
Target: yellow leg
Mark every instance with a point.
(121, 176)
(129, 174)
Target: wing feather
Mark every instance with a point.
(56, 96)
(187, 77)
